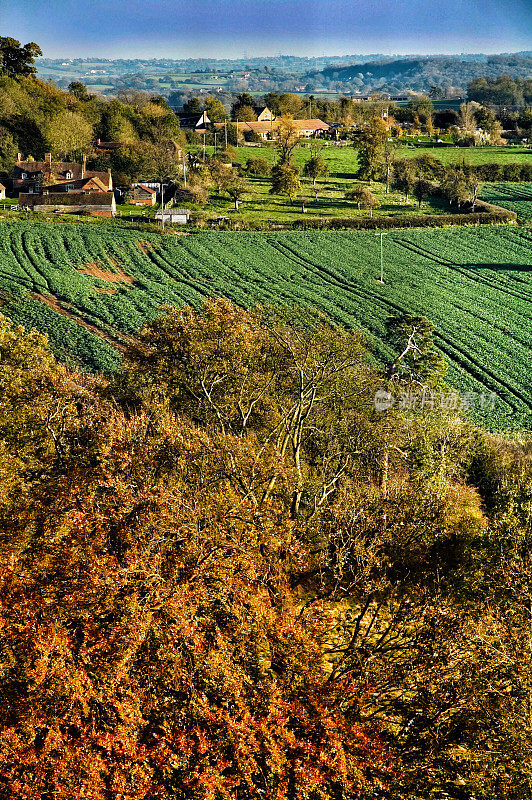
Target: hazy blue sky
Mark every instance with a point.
(210, 28)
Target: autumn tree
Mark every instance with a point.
(422, 189)
(404, 177)
(286, 138)
(370, 146)
(285, 180)
(236, 189)
(215, 109)
(69, 135)
(151, 643)
(316, 167)
(362, 196)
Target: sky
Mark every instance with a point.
(243, 28)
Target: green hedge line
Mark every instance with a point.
(504, 172)
(490, 215)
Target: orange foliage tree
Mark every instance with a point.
(151, 645)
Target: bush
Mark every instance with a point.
(253, 137)
(258, 166)
(192, 194)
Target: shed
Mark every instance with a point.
(176, 216)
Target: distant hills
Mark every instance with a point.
(419, 74)
(351, 74)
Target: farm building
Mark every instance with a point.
(263, 114)
(142, 195)
(196, 121)
(99, 204)
(307, 128)
(87, 185)
(32, 176)
(175, 216)
(103, 148)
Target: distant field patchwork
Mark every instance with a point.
(90, 288)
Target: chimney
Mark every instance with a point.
(47, 158)
(83, 165)
(19, 156)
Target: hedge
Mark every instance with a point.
(489, 215)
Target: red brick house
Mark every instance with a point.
(32, 176)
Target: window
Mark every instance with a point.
(69, 175)
(24, 175)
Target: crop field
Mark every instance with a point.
(91, 288)
(513, 196)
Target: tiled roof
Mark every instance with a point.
(67, 199)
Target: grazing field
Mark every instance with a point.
(91, 288)
(471, 155)
(343, 160)
(513, 196)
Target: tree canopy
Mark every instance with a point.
(227, 573)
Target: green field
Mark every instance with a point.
(471, 155)
(344, 160)
(475, 284)
(513, 196)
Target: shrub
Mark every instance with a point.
(258, 166)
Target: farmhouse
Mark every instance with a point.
(142, 195)
(88, 185)
(310, 128)
(307, 128)
(31, 176)
(263, 114)
(100, 204)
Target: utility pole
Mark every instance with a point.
(215, 135)
(162, 205)
(226, 133)
(381, 234)
(185, 170)
(204, 135)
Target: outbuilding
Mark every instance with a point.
(175, 216)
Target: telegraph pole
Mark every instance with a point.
(162, 205)
(381, 234)
(226, 133)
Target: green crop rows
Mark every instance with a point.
(474, 283)
(513, 196)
